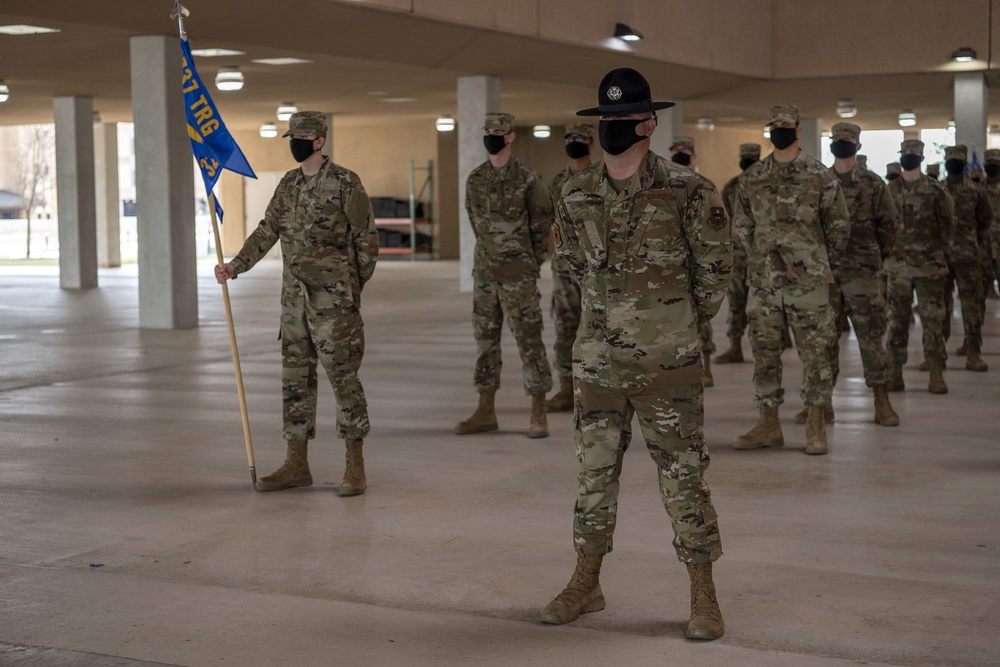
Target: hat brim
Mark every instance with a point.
(617, 109)
(299, 134)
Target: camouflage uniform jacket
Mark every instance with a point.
(993, 192)
(729, 194)
(653, 261)
(926, 217)
(793, 221)
(329, 243)
(555, 189)
(511, 216)
(973, 217)
(873, 223)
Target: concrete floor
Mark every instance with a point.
(130, 533)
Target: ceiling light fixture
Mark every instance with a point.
(229, 78)
(445, 123)
(216, 53)
(846, 109)
(627, 34)
(268, 130)
(907, 118)
(22, 29)
(285, 111)
(706, 124)
(4, 92)
(964, 55)
(767, 131)
(951, 124)
(282, 61)
(541, 131)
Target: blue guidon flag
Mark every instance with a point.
(214, 148)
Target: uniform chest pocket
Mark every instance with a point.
(592, 241)
(659, 240)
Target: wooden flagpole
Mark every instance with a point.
(232, 343)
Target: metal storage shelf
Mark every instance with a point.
(425, 194)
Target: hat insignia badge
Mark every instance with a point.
(614, 93)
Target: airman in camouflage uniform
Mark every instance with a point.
(511, 216)
(792, 218)
(565, 288)
(737, 294)
(992, 187)
(918, 264)
(863, 161)
(321, 215)
(973, 217)
(650, 242)
(682, 152)
(857, 290)
(934, 171)
(893, 171)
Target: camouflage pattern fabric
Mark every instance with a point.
(671, 420)
(329, 246)
(993, 192)
(918, 263)
(857, 290)
(653, 261)
(793, 220)
(967, 278)
(566, 304)
(973, 218)
(511, 216)
(737, 294)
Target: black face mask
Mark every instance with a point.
(302, 149)
(909, 161)
(746, 162)
(993, 170)
(783, 137)
(682, 159)
(494, 143)
(954, 167)
(891, 177)
(577, 149)
(617, 136)
(843, 148)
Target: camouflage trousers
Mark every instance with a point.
(520, 302)
(807, 311)
(672, 423)
(860, 297)
(311, 332)
(930, 306)
(736, 294)
(566, 311)
(969, 280)
(705, 335)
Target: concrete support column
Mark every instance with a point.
(477, 96)
(809, 140)
(971, 100)
(168, 289)
(74, 117)
(109, 245)
(669, 124)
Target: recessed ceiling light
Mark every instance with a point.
(542, 131)
(22, 29)
(393, 100)
(282, 61)
(215, 53)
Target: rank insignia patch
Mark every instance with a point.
(556, 236)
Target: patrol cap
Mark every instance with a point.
(893, 168)
(623, 91)
(914, 146)
(992, 156)
(586, 129)
(849, 130)
(685, 142)
(783, 113)
(746, 150)
(499, 121)
(303, 123)
(959, 152)
(934, 169)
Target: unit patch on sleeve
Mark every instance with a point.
(718, 218)
(556, 235)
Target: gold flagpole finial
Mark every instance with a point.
(180, 11)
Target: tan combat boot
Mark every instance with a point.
(706, 619)
(293, 472)
(734, 355)
(354, 483)
(828, 414)
(582, 594)
(884, 414)
(936, 383)
(563, 399)
(816, 432)
(973, 362)
(483, 419)
(767, 432)
(539, 427)
(707, 380)
(895, 382)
